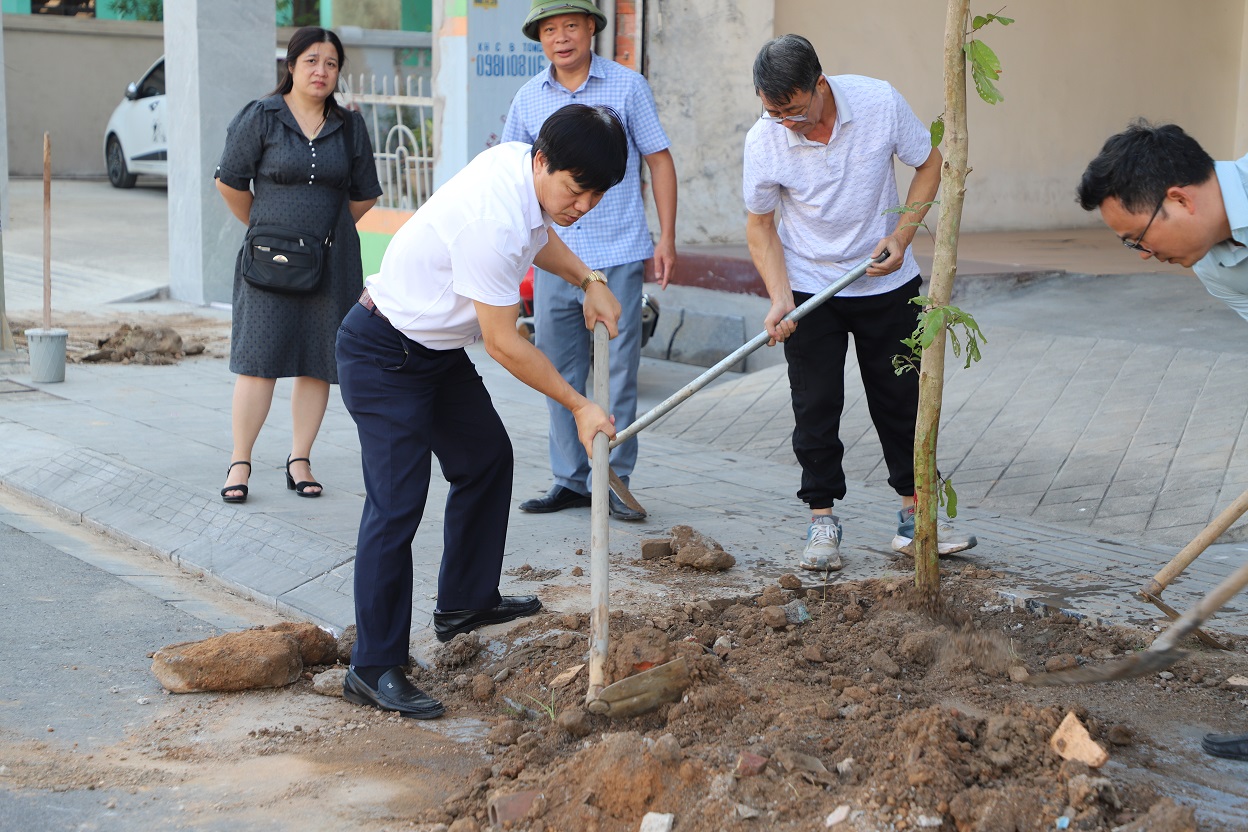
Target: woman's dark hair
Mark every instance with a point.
(299, 42)
(1140, 164)
(785, 66)
(587, 142)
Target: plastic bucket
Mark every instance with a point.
(47, 354)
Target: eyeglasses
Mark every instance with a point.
(1137, 243)
(797, 119)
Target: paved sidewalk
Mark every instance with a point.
(1100, 431)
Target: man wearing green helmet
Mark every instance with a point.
(613, 238)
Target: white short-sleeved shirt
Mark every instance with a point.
(1224, 269)
(473, 240)
(831, 199)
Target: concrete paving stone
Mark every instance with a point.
(1009, 486)
(1092, 493)
(1193, 516)
(1065, 513)
(1116, 506)
(1014, 503)
(1201, 477)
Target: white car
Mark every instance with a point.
(135, 141)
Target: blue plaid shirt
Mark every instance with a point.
(615, 231)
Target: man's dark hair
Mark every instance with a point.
(587, 142)
(1140, 164)
(785, 66)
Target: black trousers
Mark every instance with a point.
(409, 402)
(816, 357)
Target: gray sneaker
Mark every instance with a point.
(948, 541)
(823, 545)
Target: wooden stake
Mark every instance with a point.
(47, 231)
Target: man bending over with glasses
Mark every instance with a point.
(822, 155)
(1165, 197)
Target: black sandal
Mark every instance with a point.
(301, 488)
(240, 498)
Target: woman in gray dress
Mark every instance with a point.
(287, 162)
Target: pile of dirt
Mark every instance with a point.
(141, 339)
(876, 711)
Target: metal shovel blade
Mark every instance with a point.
(643, 692)
(1163, 652)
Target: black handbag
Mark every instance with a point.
(288, 261)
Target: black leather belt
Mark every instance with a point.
(367, 302)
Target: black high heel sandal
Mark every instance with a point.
(239, 498)
(301, 488)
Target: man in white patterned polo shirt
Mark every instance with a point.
(822, 156)
(614, 238)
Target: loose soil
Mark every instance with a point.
(89, 332)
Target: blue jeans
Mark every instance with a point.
(561, 335)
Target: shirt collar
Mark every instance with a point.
(1235, 199)
(279, 107)
(596, 70)
(532, 208)
(844, 115)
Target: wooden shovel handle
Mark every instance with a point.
(1202, 541)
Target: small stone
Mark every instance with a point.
(142, 700)
(749, 765)
(1071, 741)
(825, 710)
(796, 612)
(506, 809)
(790, 581)
(505, 732)
(482, 687)
(577, 572)
(775, 618)
(1063, 661)
(1103, 653)
(745, 812)
(565, 678)
(845, 767)
(345, 642)
(883, 663)
(570, 621)
(656, 548)
(722, 646)
(574, 722)
(772, 596)
(1120, 735)
(853, 613)
(565, 640)
(837, 816)
(316, 646)
(329, 682)
(929, 821)
(657, 822)
(502, 675)
(667, 750)
(1018, 673)
(813, 653)
(1165, 675)
(1237, 681)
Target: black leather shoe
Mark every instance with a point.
(394, 692)
(557, 499)
(447, 625)
(621, 511)
(1230, 746)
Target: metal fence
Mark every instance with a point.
(399, 115)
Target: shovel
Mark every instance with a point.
(1163, 652)
(647, 690)
(680, 396)
(1152, 591)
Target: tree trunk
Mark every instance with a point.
(944, 269)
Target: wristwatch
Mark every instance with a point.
(594, 277)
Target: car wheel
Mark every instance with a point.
(118, 174)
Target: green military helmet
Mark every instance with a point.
(543, 9)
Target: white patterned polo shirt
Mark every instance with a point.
(831, 199)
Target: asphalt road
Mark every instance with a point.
(78, 629)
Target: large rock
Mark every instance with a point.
(235, 661)
(696, 550)
(316, 646)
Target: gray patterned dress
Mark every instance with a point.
(298, 183)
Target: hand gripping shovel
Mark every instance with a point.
(1163, 652)
(647, 690)
(681, 395)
